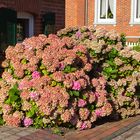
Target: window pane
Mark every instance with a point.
(103, 9)
(22, 29)
(138, 9)
(110, 10)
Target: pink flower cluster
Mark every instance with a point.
(35, 75)
(46, 70)
(61, 80)
(76, 85)
(27, 122)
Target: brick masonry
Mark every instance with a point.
(111, 130)
(75, 16)
(107, 131)
(37, 8)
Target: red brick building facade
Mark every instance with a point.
(126, 15)
(24, 18)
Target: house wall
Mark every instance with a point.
(74, 13)
(123, 14)
(37, 8)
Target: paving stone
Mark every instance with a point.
(101, 132)
(23, 133)
(132, 134)
(13, 131)
(3, 129)
(11, 138)
(32, 130)
(4, 135)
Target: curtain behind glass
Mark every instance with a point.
(111, 7)
(103, 9)
(138, 9)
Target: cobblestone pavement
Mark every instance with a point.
(127, 129)
(132, 134)
(12, 133)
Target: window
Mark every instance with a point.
(22, 29)
(49, 23)
(7, 28)
(25, 25)
(135, 12)
(105, 11)
(138, 9)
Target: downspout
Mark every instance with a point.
(86, 13)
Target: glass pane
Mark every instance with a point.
(110, 10)
(11, 30)
(7, 28)
(138, 9)
(49, 23)
(103, 9)
(22, 29)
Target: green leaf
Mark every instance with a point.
(92, 52)
(1, 121)
(45, 72)
(42, 67)
(8, 101)
(79, 53)
(71, 93)
(57, 131)
(24, 61)
(14, 95)
(113, 76)
(59, 84)
(67, 69)
(91, 107)
(38, 122)
(113, 53)
(73, 69)
(108, 69)
(54, 83)
(84, 97)
(13, 98)
(30, 113)
(76, 93)
(27, 72)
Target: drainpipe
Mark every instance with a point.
(86, 13)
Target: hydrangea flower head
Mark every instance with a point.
(81, 103)
(34, 96)
(27, 122)
(36, 74)
(76, 85)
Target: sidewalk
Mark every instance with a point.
(132, 134)
(106, 131)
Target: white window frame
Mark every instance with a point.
(98, 20)
(25, 15)
(133, 19)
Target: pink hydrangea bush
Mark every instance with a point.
(70, 79)
(47, 82)
(123, 73)
(118, 64)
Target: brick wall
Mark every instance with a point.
(58, 7)
(76, 8)
(37, 8)
(74, 13)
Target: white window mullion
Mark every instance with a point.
(139, 9)
(135, 13)
(99, 10)
(106, 6)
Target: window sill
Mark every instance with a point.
(134, 23)
(105, 23)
